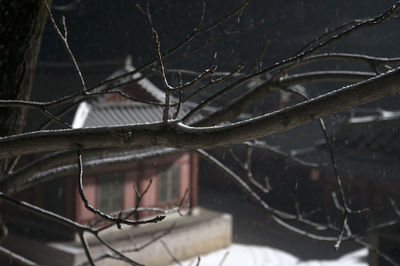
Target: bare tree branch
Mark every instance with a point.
(63, 38)
(135, 249)
(15, 257)
(86, 248)
(57, 164)
(182, 136)
(378, 61)
(174, 258)
(207, 133)
(107, 217)
(67, 7)
(325, 76)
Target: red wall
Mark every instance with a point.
(140, 174)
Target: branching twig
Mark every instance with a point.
(180, 96)
(168, 88)
(247, 168)
(139, 197)
(211, 83)
(79, 228)
(258, 63)
(182, 136)
(5, 253)
(226, 254)
(63, 38)
(173, 257)
(86, 248)
(279, 216)
(135, 249)
(55, 118)
(396, 209)
(107, 217)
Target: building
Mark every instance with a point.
(366, 148)
(111, 181)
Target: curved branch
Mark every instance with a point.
(5, 253)
(118, 221)
(46, 214)
(56, 164)
(303, 232)
(325, 76)
(245, 187)
(64, 40)
(178, 135)
(237, 106)
(344, 57)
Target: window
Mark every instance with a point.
(109, 193)
(168, 185)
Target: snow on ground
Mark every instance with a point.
(238, 254)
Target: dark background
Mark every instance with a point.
(109, 30)
(103, 33)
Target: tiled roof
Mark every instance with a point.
(122, 113)
(118, 114)
(125, 113)
(374, 130)
(366, 144)
(143, 85)
(110, 110)
(114, 110)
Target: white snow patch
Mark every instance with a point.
(238, 255)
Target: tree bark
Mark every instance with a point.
(21, 29)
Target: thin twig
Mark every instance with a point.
(63, 39)
(20, 260)
(258, 63)
(139, 197)
(120, 256)
(86, 248)
(226, 254)
(396, 209)
(106, 217)
(136, 249)
(213, 82)
(180, 97)
(198, 261)
(55, 118)
(173, 257)
(67, 7)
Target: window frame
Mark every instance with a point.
(169, 182)
(108, 203)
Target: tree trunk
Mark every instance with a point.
(21, 28)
